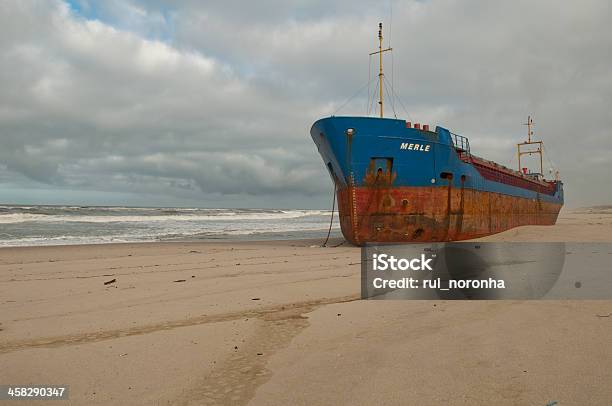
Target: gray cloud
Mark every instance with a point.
(210, 103)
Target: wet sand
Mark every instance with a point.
(281, 323)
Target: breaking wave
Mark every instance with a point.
(52, 225)
(228, 216)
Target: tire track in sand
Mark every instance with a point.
(267, 313)
(235, 380)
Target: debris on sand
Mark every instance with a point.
(180, 280)
(111, 281)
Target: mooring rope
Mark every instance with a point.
(331, 220)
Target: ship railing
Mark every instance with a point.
(462, 145)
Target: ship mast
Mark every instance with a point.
(538, 149)
(380, 66)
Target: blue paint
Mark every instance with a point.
(349, 156)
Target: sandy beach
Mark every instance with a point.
(280, 322)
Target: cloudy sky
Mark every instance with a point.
(197, 103)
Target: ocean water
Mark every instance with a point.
(53, 225)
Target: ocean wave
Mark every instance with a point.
(68, 225)
(163, 235)
(220, 215)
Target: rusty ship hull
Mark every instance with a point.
(396, 183)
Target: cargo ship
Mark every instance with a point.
(398, 181)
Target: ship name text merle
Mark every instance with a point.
(415, 147)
